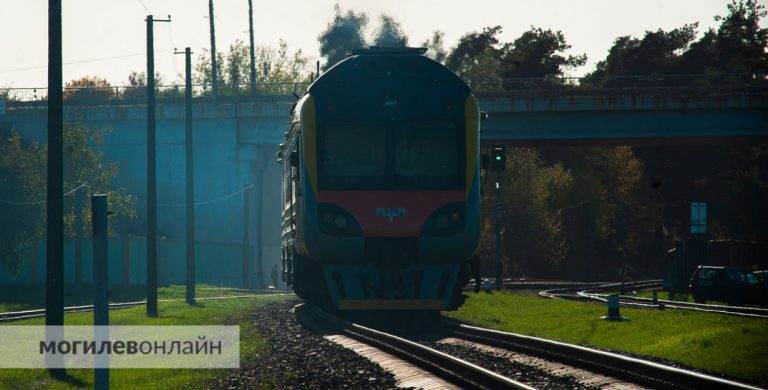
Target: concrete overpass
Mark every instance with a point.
(667, 116)
(233, 140)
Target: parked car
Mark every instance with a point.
(733, 285)
(762, 276)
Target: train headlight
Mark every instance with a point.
(336, 221)
(340, 221)
(446, 220)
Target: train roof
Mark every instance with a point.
(377, 63)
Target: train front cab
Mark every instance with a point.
(379, 250)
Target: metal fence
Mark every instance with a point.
(515, 85)
(138, 94)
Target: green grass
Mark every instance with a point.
(219, 312)
(26, 297)
(679, 297)
(731, 345)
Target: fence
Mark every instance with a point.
(216, 263)
(175, 93)
(138, 94)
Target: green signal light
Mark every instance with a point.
(498, 158)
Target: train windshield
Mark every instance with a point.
(396, 156)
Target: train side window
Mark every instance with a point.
(297, 150)
(293, 170)
(288, 181)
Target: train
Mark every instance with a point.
(381, 185)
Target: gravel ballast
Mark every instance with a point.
(531, 376)
(299, 359)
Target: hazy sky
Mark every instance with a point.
(100, 29)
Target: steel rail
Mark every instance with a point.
(633, 369)
(572, 292)
(455, 370)
(589, 294)
(664, 303)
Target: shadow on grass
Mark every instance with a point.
(61, 375)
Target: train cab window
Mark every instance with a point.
(400, 155)
(428, 154)
(354, 155)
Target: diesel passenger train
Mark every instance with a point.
(381, 195)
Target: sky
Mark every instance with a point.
(106, 38)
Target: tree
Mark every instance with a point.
(436, 46)
(342, 35)
(22, 174)
(484, 62)
(738, 46)
(613, 215)
(89, 89)
(539, 53)
(137, 87)
(531, 194)
(472, 46)
(734, 53)
(274, 65)
(657, 53)
(389, 33)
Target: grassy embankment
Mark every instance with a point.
(28, 297)
(210, 312)
(732, 345)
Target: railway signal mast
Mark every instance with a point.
(497, 164)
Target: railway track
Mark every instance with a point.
(596, 293)
(25, 314)
(454, 370)
(627, 300)
(634, 370)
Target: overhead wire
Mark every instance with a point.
(206, 202)
(145, 7)
(70, 192)
(82, 61)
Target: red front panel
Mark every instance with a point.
(391, 213)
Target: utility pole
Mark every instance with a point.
(259, 235)
(247, 237)
(214, 67)
(54, 288)
(253, 48)
(497, 236)
(151, 172)
(79, 200)
(54, 292)
(100, 284)
(188, 148)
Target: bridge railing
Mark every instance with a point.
(606, 85)
(621, 84)
(138, 94)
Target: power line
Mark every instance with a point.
(211, 200)
(80, 61)
(145, 7)
(72, 191)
